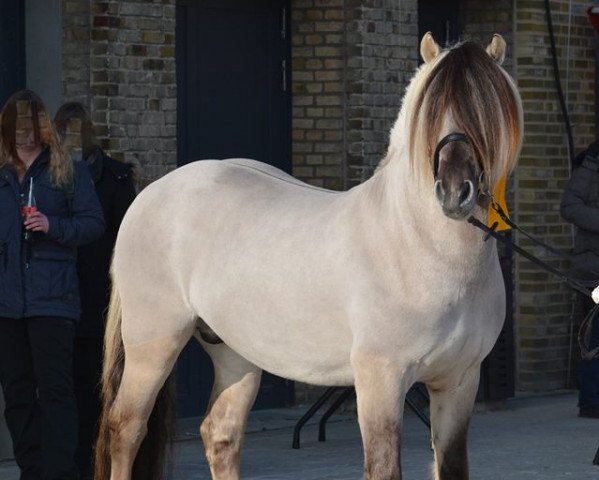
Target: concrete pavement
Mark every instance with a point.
(535, 438)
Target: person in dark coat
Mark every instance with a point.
(580, 206)
(39, 291)
(115, 186)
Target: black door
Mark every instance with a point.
(441, 18)
(12, 48)
(233, 101)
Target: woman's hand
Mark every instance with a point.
(37, 222)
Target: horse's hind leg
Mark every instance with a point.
(146, 368)
(236, 383)
(451, 406)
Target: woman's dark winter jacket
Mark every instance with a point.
(116, 190)
(40, 278)
(580, 206)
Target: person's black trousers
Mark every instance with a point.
(88, 372)
(589, 369)
(36, 374)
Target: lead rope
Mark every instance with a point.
(584, 334)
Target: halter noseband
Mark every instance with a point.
(452, 137)
(455, 137)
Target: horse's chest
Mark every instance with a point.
(459, 336)
(438, 325)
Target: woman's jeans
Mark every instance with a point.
(36, 374)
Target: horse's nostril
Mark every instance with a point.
(439, 191)
(466, 192)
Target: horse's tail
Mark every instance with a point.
(150, 460)
(114, 361)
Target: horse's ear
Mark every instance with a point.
(496, 49)
(429, 49)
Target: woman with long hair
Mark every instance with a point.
(48, 207)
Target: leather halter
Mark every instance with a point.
(459, 137)
(452, 137)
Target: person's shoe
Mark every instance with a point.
(589, 412)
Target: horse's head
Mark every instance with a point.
(466, 119)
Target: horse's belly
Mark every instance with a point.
(276, 319)
(287, 344)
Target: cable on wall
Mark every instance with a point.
(558, 85)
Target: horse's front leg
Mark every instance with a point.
(451, 408)
(381, 388)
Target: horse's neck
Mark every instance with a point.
(410, 213)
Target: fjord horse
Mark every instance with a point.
(380, 286)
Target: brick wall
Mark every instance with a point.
(318, 63)
(351, 62)
(127, 78)
(543, 304)
(76, 35)
(382, 56)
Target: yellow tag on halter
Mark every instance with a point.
(499, 197)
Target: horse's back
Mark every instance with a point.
(235, 173)
(236, 190)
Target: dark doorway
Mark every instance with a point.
(232, 78)
(12, 48)
(233, 101)
(441, 18)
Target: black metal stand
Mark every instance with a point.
(322, 426)
(596, 459)
(347, 393)
(309, 414)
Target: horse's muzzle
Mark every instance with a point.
(456, 176)
(457, 201)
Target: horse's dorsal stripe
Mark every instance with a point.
(291, 180)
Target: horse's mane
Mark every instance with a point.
(483, 100)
